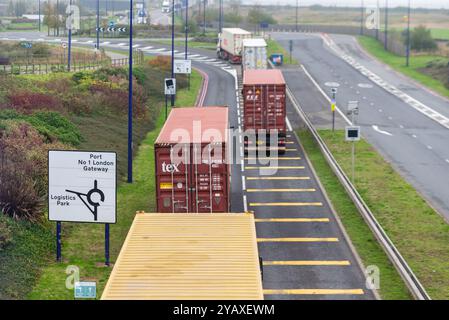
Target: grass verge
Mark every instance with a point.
(376, 49)
(419, 233)
(273, 47)
(371, 253)
(84, 246)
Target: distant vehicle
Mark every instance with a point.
(230, 44)
(166, 6)
(254, 54)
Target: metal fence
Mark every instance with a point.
(45, 68)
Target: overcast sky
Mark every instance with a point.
(415, 3)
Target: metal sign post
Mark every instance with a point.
(130, 96)
(82, 187)
(290, 43)
(353, 132)
(333, 106)
(169, 90)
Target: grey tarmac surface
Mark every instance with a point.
(349, 276)
(412, 142)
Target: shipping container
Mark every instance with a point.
(188, 257)
(192, 168)
(264, 95)
(230, 44)
(254, 54)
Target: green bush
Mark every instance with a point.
(421, 39)
(52, 125)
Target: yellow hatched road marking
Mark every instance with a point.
(293, 220)
(274, 168)
(307, 263)
(297, 239)
(289, 142)
(278, 178)
(273, 158)
(286, 204)
(314, 291)
(281, 190)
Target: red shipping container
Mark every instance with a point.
(264, 102)
(192, 168)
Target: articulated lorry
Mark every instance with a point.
(230, 44)
(264, 108)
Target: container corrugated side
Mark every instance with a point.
(188, 257)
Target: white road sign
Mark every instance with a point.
(170, 87)
(183, 66)
(82, 186)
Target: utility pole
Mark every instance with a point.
(173, 48)
(386, 25)
(57, 17)
(297, 9)
(204, 17)
(39, 8)
(187, 30)
(362, 18)
(408, 36)
(98, 24)
(69, 55)
(130, 95)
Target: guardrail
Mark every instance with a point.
(406, 273)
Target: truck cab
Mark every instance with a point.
(166, 7)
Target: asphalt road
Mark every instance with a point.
(413, 141)
(305, 253)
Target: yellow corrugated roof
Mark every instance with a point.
(188, 256)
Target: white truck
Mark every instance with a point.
(230, 44)
(166, 7)
(254, 54)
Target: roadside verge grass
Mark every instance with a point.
(273, 47)
(418, 231)
(397, 63)
(84, 245)
(370, 252)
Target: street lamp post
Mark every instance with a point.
(39, 8)
(173, 48)
(297, 8)
(130, 96)
(386, 25)
(98, 24)
(69, 55)
(408, 36)
(362, 18)
(204, 17)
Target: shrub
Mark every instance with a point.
(53, 125)
(28, 102)
(421, 39)
(161, 62)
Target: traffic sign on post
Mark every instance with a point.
(82, 186)
(352, 133)
(170, 87)
(183, 66)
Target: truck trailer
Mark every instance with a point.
(188, 257)
(192, 168)
(264, 107)
(254, 54)
(230, 44)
